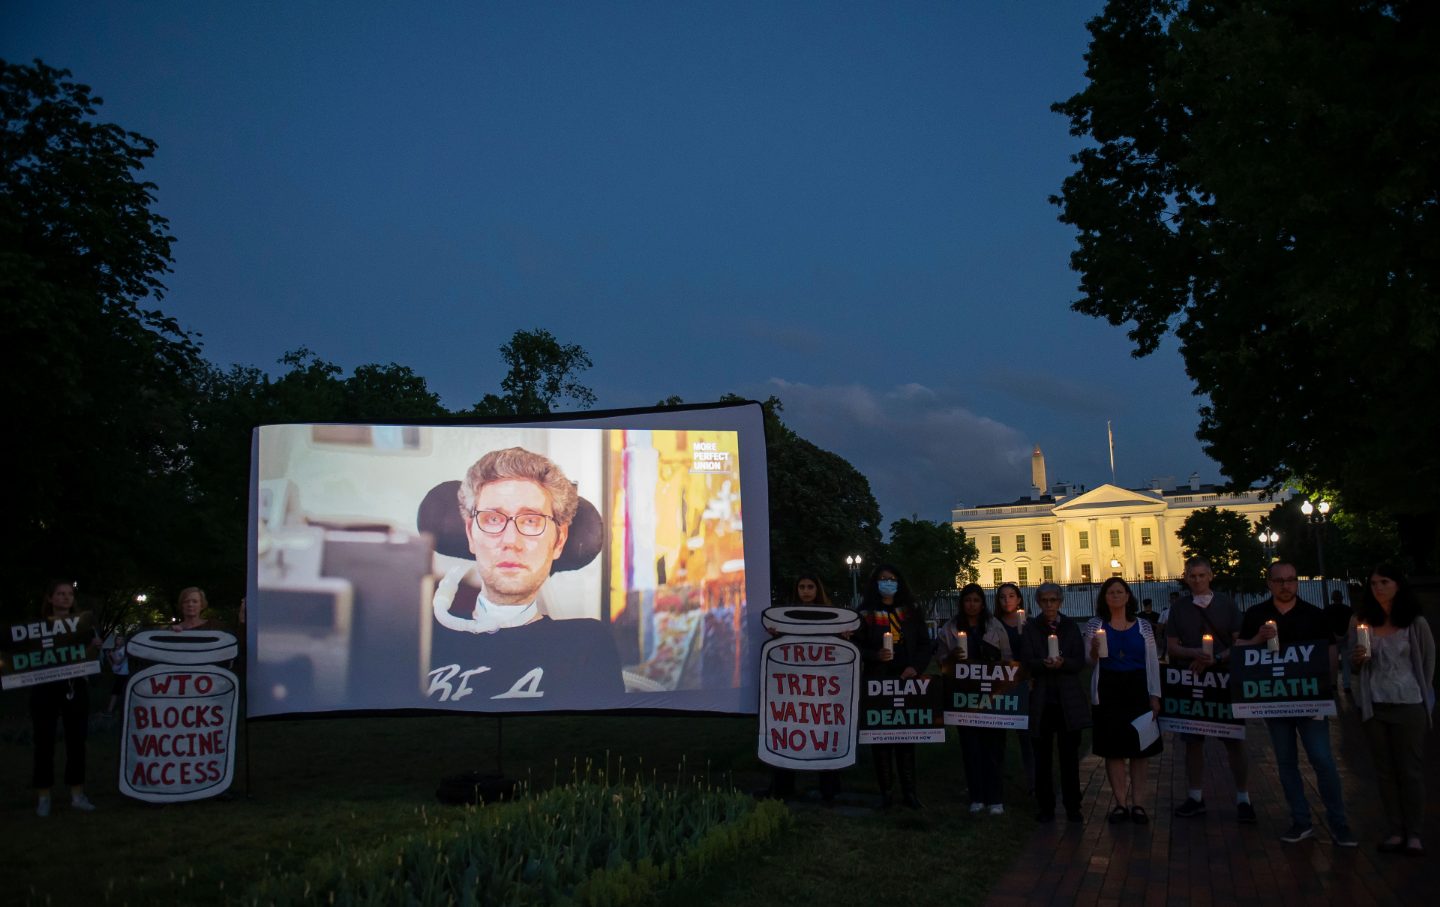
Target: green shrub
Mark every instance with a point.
(588, 843)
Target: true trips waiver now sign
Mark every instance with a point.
(1291, 682)
(809, 701)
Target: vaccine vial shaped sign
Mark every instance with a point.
(809, 689)
(179, 725)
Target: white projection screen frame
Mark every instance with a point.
(373, 587)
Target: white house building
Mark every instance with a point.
(1074, 535)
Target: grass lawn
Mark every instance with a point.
(315, 783)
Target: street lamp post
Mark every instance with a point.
(852, 561)
(1319, 515)
(1269, 538)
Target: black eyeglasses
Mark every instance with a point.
(493, 522)
(1284, 580)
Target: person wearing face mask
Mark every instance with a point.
(1059, 708)
(1010, 611)
(1396, 699)
(808, 590)
(887, 607)
(983, 748)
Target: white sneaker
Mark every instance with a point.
(82, 803)
(42, 807)
(997, 809)
(976, 807)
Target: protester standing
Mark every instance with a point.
(1010, 609)
(974, 635)
(1207, 612)
(1295, 620)
(66, 702)
(1124, 687)
(1396, 699)
(1059, 710)
(887, 609)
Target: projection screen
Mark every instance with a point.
(609, 561)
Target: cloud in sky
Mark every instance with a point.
(921, 448)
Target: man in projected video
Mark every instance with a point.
(496, 639)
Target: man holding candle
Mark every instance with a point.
(1207, 616)
(1053, 653)
(1288, 619)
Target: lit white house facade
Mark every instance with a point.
(1073, 535)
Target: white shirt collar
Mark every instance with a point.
(507, 615)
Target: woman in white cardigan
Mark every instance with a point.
(1124, 688)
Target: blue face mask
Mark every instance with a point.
(888, 586)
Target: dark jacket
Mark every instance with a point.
(1065, 680)
(912, 650)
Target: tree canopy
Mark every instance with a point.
(97, 378)
(1225, 539)
(1262, 184)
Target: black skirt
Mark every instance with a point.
(1123, 698)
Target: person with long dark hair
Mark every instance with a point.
(64, 701)
(1010, 611)
(808, 590)
(1124, 687)
(887, 607)
(983, 749)
(1396, 700)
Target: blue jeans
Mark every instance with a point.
(1315, 737)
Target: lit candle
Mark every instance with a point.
(1363, 633)
(1020, 617)
(1273, 643)
(1104, 650)
(889, 642)
(1207, 645)
(962, 643)
(1054, 643)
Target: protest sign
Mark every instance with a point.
(987, 694)
(47, 650)
(1198, 702)
(179, 719)
(809, 702)
(1291, 682)
(903, 711)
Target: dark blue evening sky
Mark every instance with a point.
(842, 204)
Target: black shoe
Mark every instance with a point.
(1119, 814)
(913, 801)
(887, 800)
(1191, 807)
(1050, 817)
(1074, 815)
(1245, 813)
(1139, 816)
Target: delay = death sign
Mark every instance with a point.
(983, 694)
(1291, 682)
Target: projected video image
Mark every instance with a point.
(493, 568)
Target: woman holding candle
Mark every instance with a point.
(974, 635)
(1010, 609)
(1393, 653)
(1053, 653)
(894, 645)
(1124, 687)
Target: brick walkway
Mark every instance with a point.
(1213, 860)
